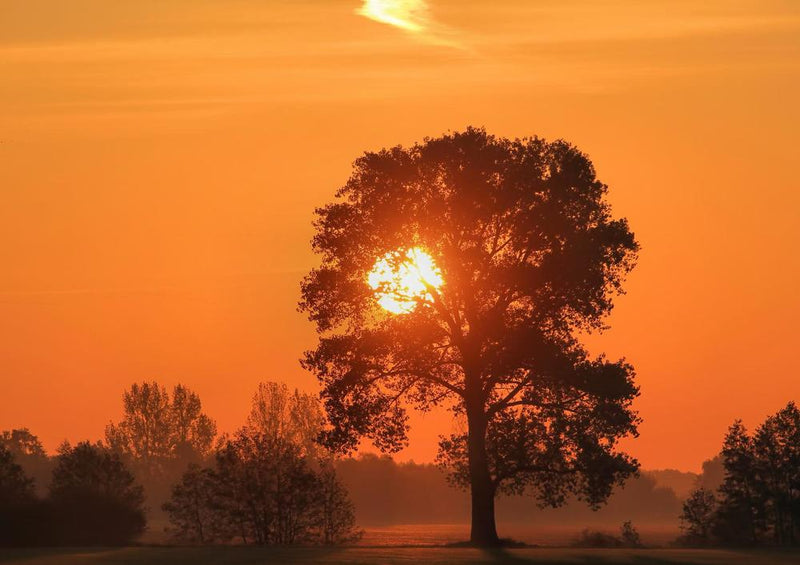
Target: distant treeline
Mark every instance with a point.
(385, 492)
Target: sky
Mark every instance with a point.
(160, 162)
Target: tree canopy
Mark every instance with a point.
(530, 257)
(158, 429)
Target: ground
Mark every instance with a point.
(389, 556)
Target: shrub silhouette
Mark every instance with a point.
(93, 498)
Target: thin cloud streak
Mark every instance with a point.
(411, 16)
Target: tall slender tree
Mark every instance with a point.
(460, 272)
(159, 430)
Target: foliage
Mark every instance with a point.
(697, 518)
(159, 429)
(14, 485)
(758, 501)
(629, 537)
(19, 509)
(530, 257)
(294, 417)
(93, 498)
(337, 512)
(268, 486)
(194, 508)
(30, 455)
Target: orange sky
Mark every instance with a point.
(160, 162)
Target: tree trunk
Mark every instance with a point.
(484, 530)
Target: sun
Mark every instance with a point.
(402, 279)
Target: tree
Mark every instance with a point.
(160, 434)
(20, 513)
(740, 516)
(22, 442)
(629, 535)
(193, 431)
(94, 498)
(14, 485)
(529, 257)
(697, 518)
(294, 417)
(776, 455)
(758, 499)
(29, 454)
(265, 491)
(271, 483)
(337, 512)
(194, 508)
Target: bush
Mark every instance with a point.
(628, 537)
(594, 538)
(93, 498)
(262, 490)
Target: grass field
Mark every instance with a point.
(389, 556)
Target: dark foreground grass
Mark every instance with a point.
(389, 556)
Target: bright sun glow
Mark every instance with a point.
(400, 280)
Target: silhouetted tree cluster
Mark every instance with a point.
(270, 484)
(92, 500)
(758, 501)
(161, 433)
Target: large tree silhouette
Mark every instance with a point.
(530, 257)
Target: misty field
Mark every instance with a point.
(389, 555)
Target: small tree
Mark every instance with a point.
(94, 498)
(337, 512)
(269, 487)
(698, 518)
(740, 516)
(629, 536)
(194, 508)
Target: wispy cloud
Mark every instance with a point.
(412, 16)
